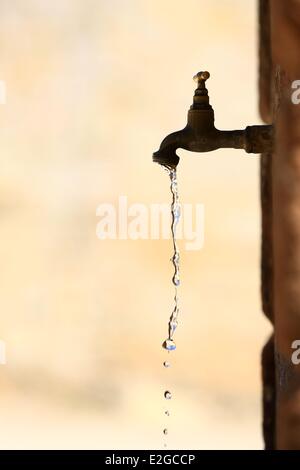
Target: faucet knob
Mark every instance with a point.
(201, 99)
(200, 78)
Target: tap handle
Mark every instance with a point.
(201, 99)
(200, 78)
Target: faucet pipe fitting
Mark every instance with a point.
(200, 134)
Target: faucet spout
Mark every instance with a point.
(200, 134)
(166, 155)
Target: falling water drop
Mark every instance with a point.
(175, 258)
(176, 280)
(169, 345)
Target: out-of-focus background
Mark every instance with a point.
(92, 88)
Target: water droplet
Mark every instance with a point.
(176, 279)
(169, 345)
(172, 327)
(176, 258)
(176, 211)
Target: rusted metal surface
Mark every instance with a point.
(200, 134)
(259, 139)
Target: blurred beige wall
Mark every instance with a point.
(92, 87)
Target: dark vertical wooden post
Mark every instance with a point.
(265, 106)
(285, 219)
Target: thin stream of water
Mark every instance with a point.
(169, 343)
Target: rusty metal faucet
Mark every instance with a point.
(200, 134)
